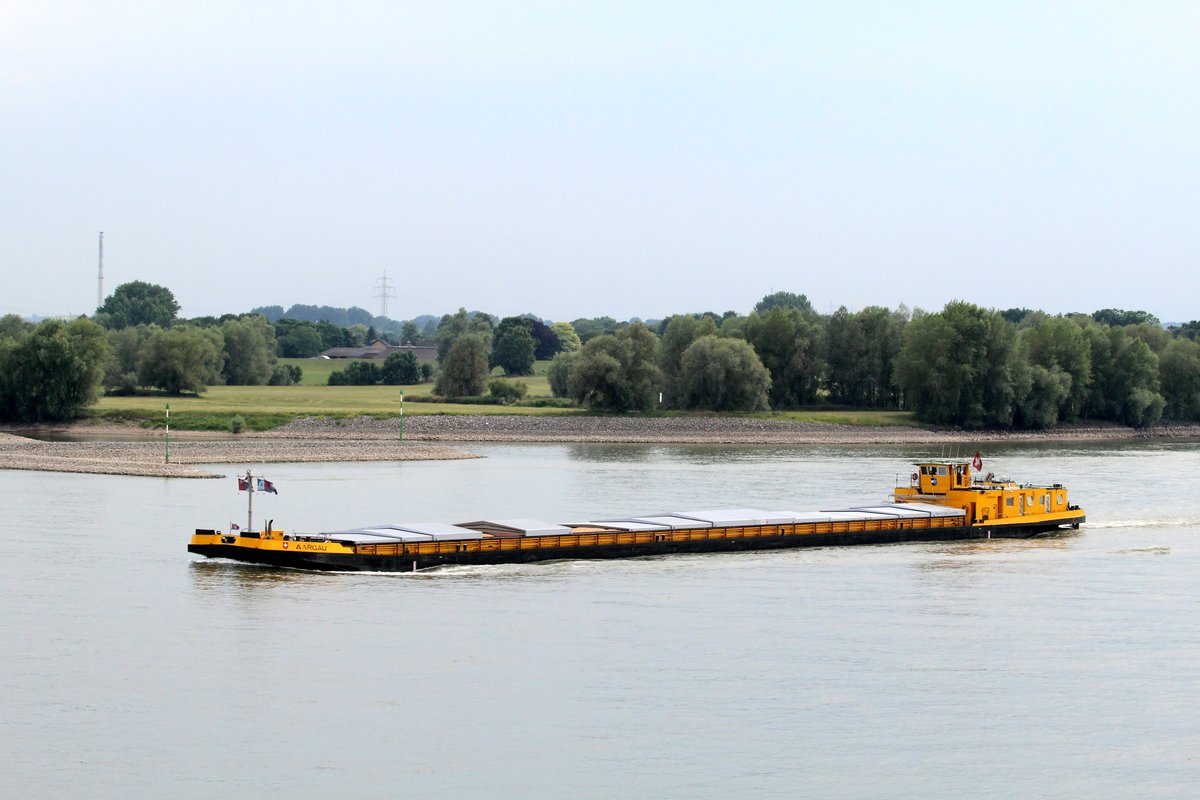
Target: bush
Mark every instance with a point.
(507, 392)
(286, 375)
(236, 424)
(357, 373)
(401, 368)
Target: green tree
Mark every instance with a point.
(783, 300)
(617, 372)
(545, 339)
(52, 372)
(298, 339)
(249, 345)
(1125, 378)
(1155, 337)
(1119, 316)
(1049, 391)
(357, 335)
(1058, 343)
(12, 326)
(1188, 330)
(568, 339)
(464, 371)
(790, 345)
(126, 346)
(459, 324)
(723, 375)
(139, 303)
(333, 336)
(963, 366)
(587, 329)
(182, 360)
(1016, 315)
(514, 346)
(861, 348)
(1179, 376)
(679, 332)
(401, 368)
(559, 372)
(409, 333)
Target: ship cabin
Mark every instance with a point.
(986, 500)
(941, 478)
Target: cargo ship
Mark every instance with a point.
(943, 501)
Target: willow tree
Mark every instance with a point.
(617, 372)
(963, 366)
(53, 371)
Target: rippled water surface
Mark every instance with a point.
(1064, 667)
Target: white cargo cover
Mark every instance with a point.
(934, 510)
(802, 517)
(855, 516)
(404, 532)
(437, 531)
(372, 536)
(526, 527)
(670, 521)
(621, 525)
(896, 511)
(734, 517)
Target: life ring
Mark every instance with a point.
(914, 476)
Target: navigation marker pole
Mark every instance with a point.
(167, 440)
(402, 415)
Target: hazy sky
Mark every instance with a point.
(578, 159)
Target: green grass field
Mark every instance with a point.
(316, 373)
(266, 407)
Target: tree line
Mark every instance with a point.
(963, 366)
(134, 342)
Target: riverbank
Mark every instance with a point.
(146, 457)
(127, 450)
(689, 430)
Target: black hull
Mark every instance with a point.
(411, 563)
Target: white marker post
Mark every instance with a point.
(402, 415)
(167, 440)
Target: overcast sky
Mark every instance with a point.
(580, 159)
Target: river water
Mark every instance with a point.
(1065, 667)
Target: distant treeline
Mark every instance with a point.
(963, 366)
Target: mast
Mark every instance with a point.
(100, 276)
(249, 500)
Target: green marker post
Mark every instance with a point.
(167, 439)
(402, 415)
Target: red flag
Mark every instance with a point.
(242, 485)
(977, 462)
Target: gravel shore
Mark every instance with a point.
(146, 458)
(687, 429)
(130, 451)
